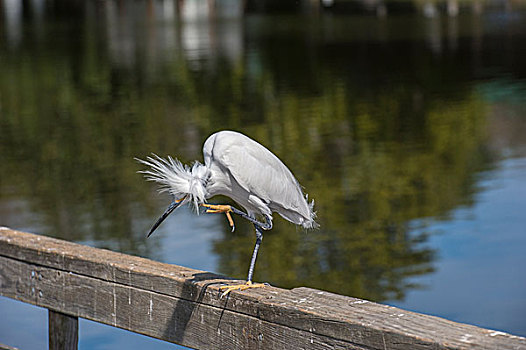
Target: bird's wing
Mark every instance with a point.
(262, 174)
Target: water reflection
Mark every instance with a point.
(384, 121)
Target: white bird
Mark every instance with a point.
(240, 168)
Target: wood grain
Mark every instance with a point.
(63, 331)
(183, 306)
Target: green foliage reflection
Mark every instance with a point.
(375, 160)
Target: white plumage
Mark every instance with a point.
(240, 168)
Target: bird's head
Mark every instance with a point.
(186, 184)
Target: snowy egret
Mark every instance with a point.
(240, 168)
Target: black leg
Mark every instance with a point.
(267, 225)
(259, 238)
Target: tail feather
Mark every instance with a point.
(310, 223)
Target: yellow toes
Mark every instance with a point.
(219, 208)
(247, 285)
(230, 220)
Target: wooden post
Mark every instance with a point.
(63, 331)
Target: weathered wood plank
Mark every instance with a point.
(153, 314)
(185, 307)
(63, 331)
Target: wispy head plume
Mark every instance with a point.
(177, 179)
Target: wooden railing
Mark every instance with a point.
(183, 306)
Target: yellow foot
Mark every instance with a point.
(220, 208)
(247, 285)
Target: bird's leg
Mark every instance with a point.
(259, 238)
(227, 209)
(267, 225)
(248, 284)
(260, 226)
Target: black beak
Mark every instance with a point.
(168, 211)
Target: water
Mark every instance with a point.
(407, 130)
